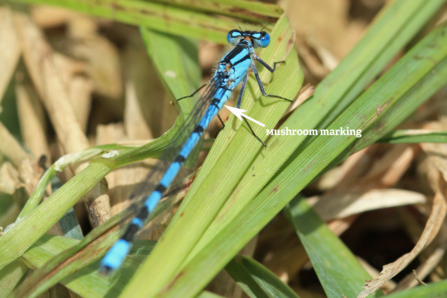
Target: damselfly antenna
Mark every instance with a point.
(263, 28)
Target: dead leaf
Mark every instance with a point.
(431, 229)
(9, 178)
(10, 51)
(340, 205)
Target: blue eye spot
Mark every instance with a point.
(233, 37)
(256, 35)
(265, 40)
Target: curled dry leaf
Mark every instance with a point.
(423, 270)
(388, 286)
(340, 205)
(339, 226)
(431, 229)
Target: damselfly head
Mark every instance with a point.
(259, 39)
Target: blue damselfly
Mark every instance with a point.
(232, 70)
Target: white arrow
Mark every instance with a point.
(240, 113)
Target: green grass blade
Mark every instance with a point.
(340, 86)
(177, 63)
(416, 96)
(171, 19)
(27, 231)
(245, 10)
(393, 28)
(256, 280)
(10, 277)
(410, 136)
(412, 15)
(84, 279)
(390, 90)
(337, 268)
(38, 192)
(42, 220)
(431, 290)
(189, 225)
(342, 83)
(89, 250)
(69, 223)
(47, 177)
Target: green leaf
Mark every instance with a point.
(177, 63)
(79, 275)
(241, 187)
(256, 280)
(39, 220)
(190, 19)
(49, 174)
(414, 136)
(432, 290)
(337, 268)
(231, 153)
(342, 85)
(63, 257)
(28, 230)
(10, 277)
(243, 216)
(246, 10)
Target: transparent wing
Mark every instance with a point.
(162, 213)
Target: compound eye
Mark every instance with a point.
(233, 37)
(264, 41)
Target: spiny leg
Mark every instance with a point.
(239, 98)
(261, 87)
(194, 93)
(266, 65)
(223, 126)
(238, 105)
(253, 133)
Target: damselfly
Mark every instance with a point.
(231, 71)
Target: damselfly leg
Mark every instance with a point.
(194, 93)
(258, 79)
(222, 127)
